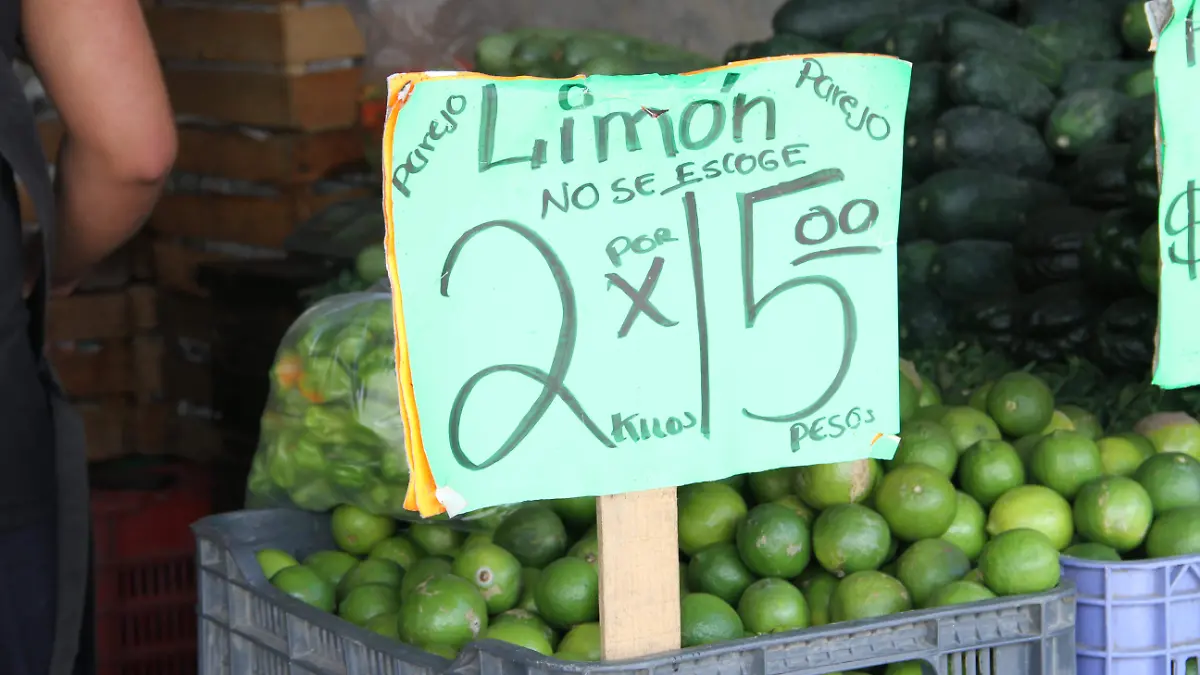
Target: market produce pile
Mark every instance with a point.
(979, 502)
(548, 52)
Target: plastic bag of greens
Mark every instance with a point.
(331, 433)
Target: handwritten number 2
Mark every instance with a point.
(552, 381)
(754, 305)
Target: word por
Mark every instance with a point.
(640, 244)
(838, 424)
(416, 160)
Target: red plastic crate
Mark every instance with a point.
(145, 573)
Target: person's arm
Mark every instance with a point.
(97, 63)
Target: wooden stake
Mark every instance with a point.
(639, 574)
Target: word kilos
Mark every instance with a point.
(829, 427)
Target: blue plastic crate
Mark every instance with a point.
(1138, 617)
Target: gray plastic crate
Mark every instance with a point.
(249, 628)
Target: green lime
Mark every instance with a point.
(424, 570)
(568, 593)
(709, 514)
(387, 625)
(824, 485)
(475, 539)
(932, 413)
(1020, 403)
(968, 426)
(988, 469)
(1064, 460)
(368, 601)
(587, 548)
(737, 482)
(1121, 456)
(581, 643)
(1172, 480)
(494, 571)
(850, 538)
(926, 442)
(1172, 432)
(331, 565)
(399, 549)
(445, 651)
(768, 486)
(774, 542)
(384, 572)
(437, 538)
(1033, 507)
(444, 610)
(1059, 421)
(928, 565)
(719, 570)
(978, 398)
(357, 531)
(796, 504)
(1114, 511)
(968, 530)
(521, 635)
(1025, 446)
(529, 579)
(1020, 561)
(818, 592)
(271, 560)
(578, 512)
(1093, 552)
(918, 502)
(526, 618)
(1083, 421)
(930, 394)
(306, 586)
(533, 533)
(1173, 533)
(974, 575)
(910, 392)
(706, 619)
(960, 593)
(773, 606)
(867, 595)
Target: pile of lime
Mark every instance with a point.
(979, 502)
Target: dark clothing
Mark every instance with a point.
(45, 550)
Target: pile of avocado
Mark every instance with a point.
(547, 52)
(1031, 195)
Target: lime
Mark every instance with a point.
(1083, 421)
(568, 593)
(709, 514)
(1093, 552)
(581, 643)
(932, 413)
(331, 565)
(1033, 507)
(930, 394)
(974, 575)
(928, 565)
(587, 548)
(774, 542)
(445, 651)
(437, 538)
(910, 391)
(579, 512)
(768, 486)
(960, 593)
(706, 619)
(850, 538)
(968, 530)
(445, 610)
(399, 549)
(529, 578)
(1114, 511)
(368, 601)
(1064, 460)
(1172, 432)
(386, 625)
(534, 534)
(988, 469)
(423, 570)
(306, 586)
(818, 592)
(1173, 533)
(1025, 446)
(1018, 562)
(719, 570)
(494, 571)
(384, 572)
(475, 539)
(968, 426)
(918, 502)
(357, 531)
(796, 504)
(737, 482)
(271, 560)
(978, 398)
(825, 485)
(1121, 455)
(1020, 403)
(1172, 480)
(528, 619)
(926, 442)
(521, 635)
(867, 595)
(1059, 421)
(773, 606)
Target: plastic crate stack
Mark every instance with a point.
(266, 97)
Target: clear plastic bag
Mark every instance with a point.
(331, 433)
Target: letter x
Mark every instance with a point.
(641, 298)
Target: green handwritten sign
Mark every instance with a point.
(615, 284)
(1177, 80)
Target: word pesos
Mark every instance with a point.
(833, 426)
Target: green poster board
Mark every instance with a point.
(614, 284)
(1177, 80)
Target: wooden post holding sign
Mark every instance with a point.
(615, 285)
(1177, 90)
